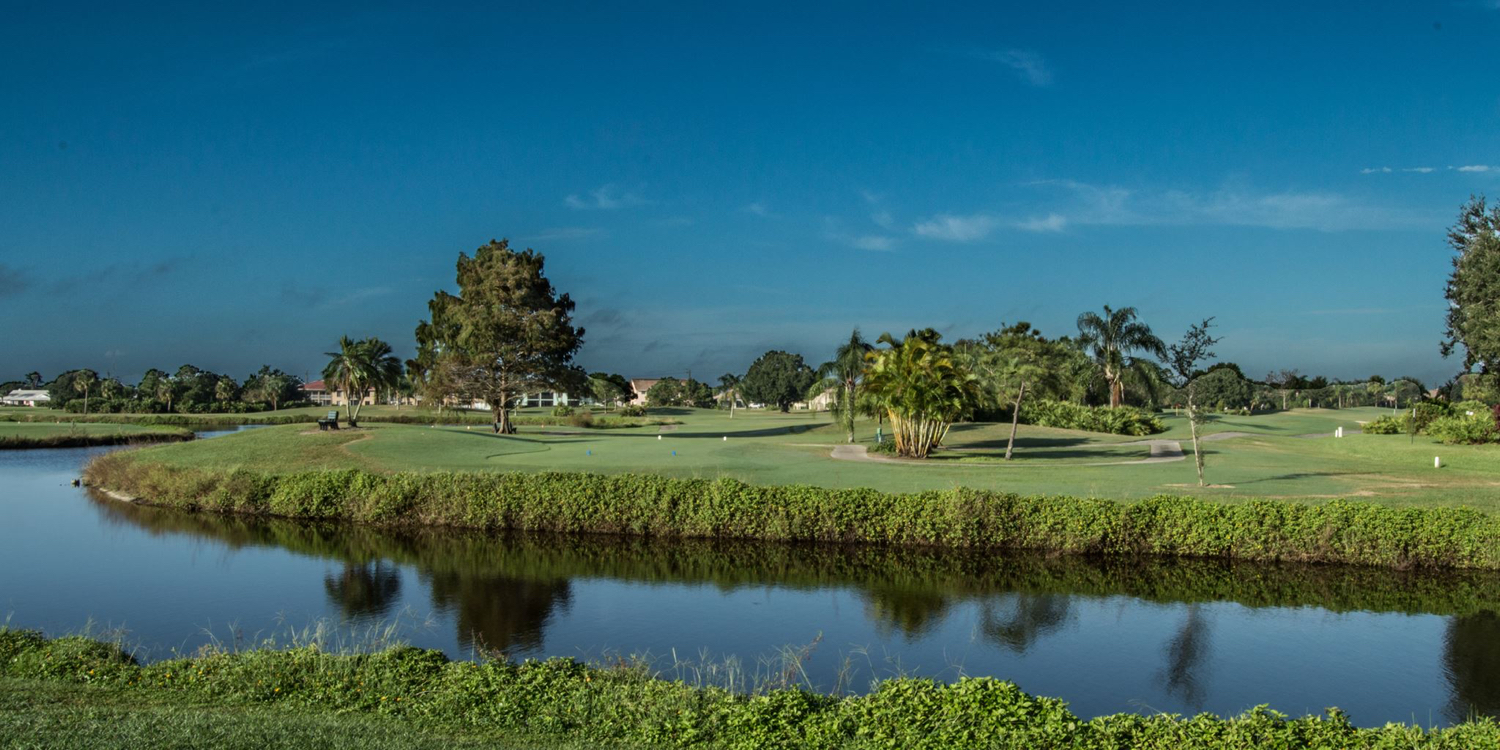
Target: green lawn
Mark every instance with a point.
(53, 714)
(1273, 460)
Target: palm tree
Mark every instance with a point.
(224, 389)
(1111, 339)
(917, 383)
(359, 366)
(729, 386)
(82, 383)
(843, 374)
(165, 390)
(109, 388)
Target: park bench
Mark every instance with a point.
(330, 422)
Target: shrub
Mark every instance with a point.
(1464, 429)
(1386, 425)
(1120, 420)
(581, 419)
(562, 410)
(633, 410)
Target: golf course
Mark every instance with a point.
(1285, 455)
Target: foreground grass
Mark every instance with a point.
(418, 697)
(775, 449)
(66, 715)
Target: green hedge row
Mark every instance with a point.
(202, 421)
(564, 699)
(647, 505)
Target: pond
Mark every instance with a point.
(1105, 635)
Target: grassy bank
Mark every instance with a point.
(414, 692)
(66, 435)
(655, 506)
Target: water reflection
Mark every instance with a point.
(364, 589)
(1471, 658)
(515, 593)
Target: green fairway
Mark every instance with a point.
(1275, 458)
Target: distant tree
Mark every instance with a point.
(1474, 287)
(507, 332)
(843, 375)
(1184, 357)
(1111, 339)
(224, 389)
(1223, 387)
(665, 392)
(1026, 363)
(83, 382)
(921, 388)
(110, 389)
(1285, 382)
(778, 378)
(33, 380)
(730, 386)
(166, 391)
(605, 391)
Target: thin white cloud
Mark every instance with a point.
(954, 228)
(1027, 64)
(607, 197)
(1083, 203)
(834, 232)
(1048, 223)
(1421, 170)
(1476, 168)
(1375, 170)
(757, 208)
(873, 242)
(883, 219)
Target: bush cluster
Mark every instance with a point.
(84, 440)
(647, 505)
(1462, 423)
(562, 410)
(1118, 420)
(568, 700)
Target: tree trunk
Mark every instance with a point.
(1015, 419)
(1193, 426)
(502, 423)
(848, 413)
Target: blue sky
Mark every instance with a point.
(238, 187)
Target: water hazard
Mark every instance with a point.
(1105, 635)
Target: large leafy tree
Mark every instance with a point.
(778, 378)
(506, 333)
(665, 392)
(270, 385)
(1112, 339)
(605, 390)
(921, 388)
(843, 375)
(1473, 290)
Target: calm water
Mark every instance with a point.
(1105, 636)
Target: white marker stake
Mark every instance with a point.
(1437, 463)
(658, 437)
(726, 438)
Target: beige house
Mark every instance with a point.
(318, 392)
(640, 386)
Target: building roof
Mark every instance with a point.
(641, 385)
(316, 385)
(21, 394)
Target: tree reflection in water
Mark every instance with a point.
(364, 589)
(1030, 616)
(1471, 659)
(499, 613)
(1187, 653)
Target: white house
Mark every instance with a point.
(22, 397)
